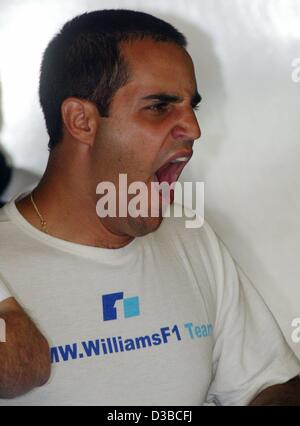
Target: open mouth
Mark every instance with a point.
(171, 170)
(170, 173)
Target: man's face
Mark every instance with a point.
(151, 128)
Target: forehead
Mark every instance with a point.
(161, 66)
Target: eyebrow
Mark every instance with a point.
(165, 97)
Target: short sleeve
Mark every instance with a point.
(250, 353)
(4, 293)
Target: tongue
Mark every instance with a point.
(169, 173)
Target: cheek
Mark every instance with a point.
(146, 138)
(135, 143)
(137, 147)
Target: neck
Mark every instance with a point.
(68, 207)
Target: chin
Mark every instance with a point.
(144, 225)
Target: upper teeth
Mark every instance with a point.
(179, 159)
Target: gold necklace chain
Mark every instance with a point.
(43, 222)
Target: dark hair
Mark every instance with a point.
(5, 173)
(84, 60)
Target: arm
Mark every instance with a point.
(25, 356)
(284, 394)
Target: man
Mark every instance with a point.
(136, 310)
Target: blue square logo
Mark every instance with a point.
(131, 307)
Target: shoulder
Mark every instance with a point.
(203, 250)
(4, 218)
(11, 235)
(190, 231)
(198, 247)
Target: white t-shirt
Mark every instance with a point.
(166, 320)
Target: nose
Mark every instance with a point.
(187, 126)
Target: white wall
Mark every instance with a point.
(249, 153)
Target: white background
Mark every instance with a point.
(249, 154)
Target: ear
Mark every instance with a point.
(81, 119)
